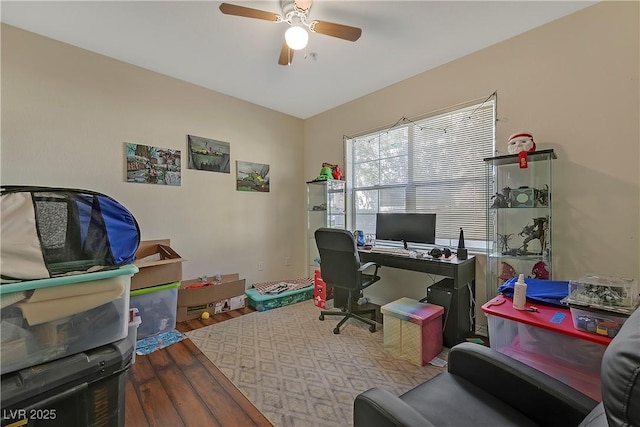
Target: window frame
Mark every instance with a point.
(478, 180)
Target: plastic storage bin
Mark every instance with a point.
(604, 292)
(43, 320)
(595, 321)
(263, 302)
(413, 330)
(85, 389)
(158, 306)
(547, 340)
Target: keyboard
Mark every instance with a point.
(419, 254)
(392, 251)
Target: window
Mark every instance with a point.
(431, 165)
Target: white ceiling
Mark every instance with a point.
(193, 41)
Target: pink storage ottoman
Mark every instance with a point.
(413, 330)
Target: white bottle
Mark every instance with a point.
(520, 294)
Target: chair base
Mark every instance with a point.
(348, 314)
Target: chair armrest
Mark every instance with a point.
(379, 408)
(368, 279)
(520, 386)
(369, 264)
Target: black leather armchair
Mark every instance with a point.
(483, 387)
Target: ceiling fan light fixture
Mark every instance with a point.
(296, 37)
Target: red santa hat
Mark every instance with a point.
(524, 135)
(522, 155)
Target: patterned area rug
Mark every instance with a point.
(297, 372)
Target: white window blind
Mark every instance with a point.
(431, 165)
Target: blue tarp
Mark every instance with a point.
(538, 290)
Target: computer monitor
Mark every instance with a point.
(406, 227)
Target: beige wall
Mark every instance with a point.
(573, 84)
(67, 112)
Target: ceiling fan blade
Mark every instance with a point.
(303, 4)
(340, 31)
(247, 12)
(286, 54)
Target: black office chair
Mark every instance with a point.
(341, 268)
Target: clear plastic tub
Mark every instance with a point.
(47, 319)
(158, 306)
(547, 340)
(598, 322)
(604, 292)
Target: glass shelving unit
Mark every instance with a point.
(519, 218)
(325, 208)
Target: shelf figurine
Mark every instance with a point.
(521, 144)
(504, 242)
(336, 173)
(542, 196)
(533, 232)
(501, 200)
(540, 271)
(507, 272)
(325, 174)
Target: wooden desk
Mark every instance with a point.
(455, 292)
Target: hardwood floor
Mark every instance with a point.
(178, 386)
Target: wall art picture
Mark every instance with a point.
(252, 176)
(153, 165)
(208, 154)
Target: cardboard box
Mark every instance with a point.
(158, 264)
(224, 296)
(229, 304)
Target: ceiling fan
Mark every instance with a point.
(296, 14)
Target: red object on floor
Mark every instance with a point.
(321, 291)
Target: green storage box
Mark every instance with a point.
(267, 301)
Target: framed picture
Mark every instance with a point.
(252, 177)
(152, 165)
(208, 154)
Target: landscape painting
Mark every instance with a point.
(252, 176)
(153, 165)
(208, 154)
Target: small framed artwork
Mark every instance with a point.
(208, 154)
(252, 177)
(153, 165)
